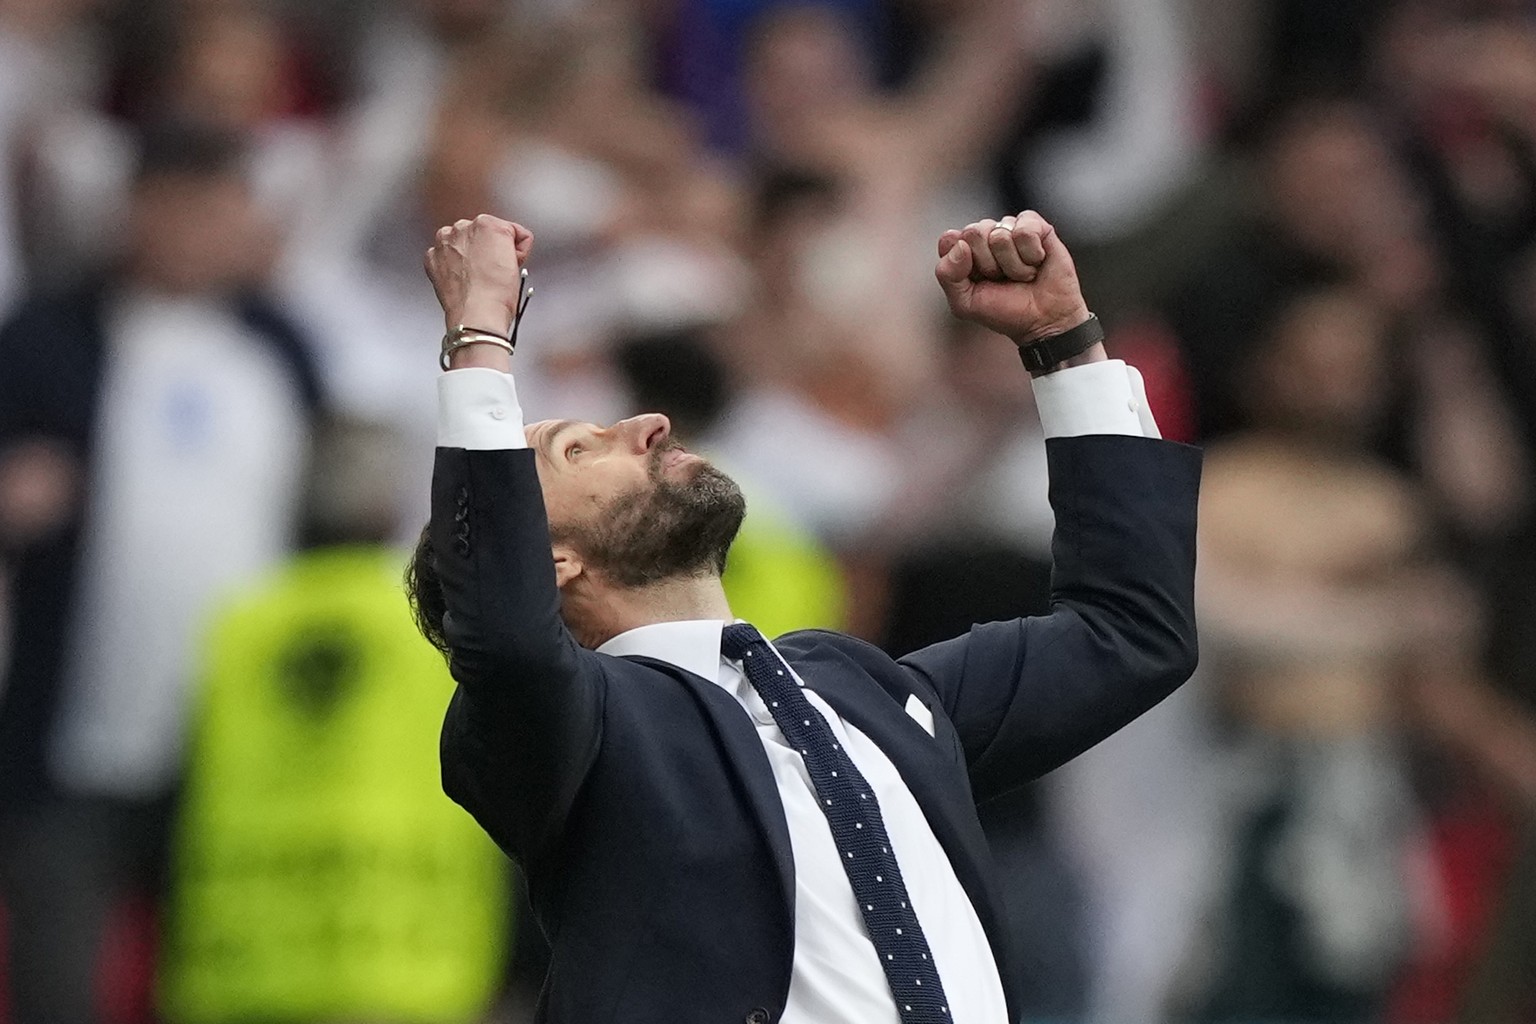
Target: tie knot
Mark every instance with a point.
(737, 638)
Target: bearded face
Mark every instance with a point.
(666, 528)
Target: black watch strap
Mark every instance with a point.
(1040, 356)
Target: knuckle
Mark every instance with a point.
(1028, 235)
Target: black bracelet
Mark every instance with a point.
(1040, 356)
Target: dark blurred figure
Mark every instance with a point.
(1337, 205)
(1342, 639)
(1331, 205)
(1459, 79)
(152, 428)
(229, 65)
(702, 45)
(319, 873)
(44, 51)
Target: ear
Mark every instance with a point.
(568, 565)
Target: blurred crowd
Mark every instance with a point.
(1311, 224)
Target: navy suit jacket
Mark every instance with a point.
(637, 796)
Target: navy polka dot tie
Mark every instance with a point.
(853, 814)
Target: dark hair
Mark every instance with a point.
(675, 372)
(424, 589)
(781, 192)
(189, 149)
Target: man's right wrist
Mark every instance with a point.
(488, 357)
(493, 317)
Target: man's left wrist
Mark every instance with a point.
(1096, 354)
(1049, 351)
(1058, 325)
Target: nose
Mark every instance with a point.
(642, 433)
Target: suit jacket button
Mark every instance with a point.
(757, 1016)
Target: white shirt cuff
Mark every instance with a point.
(1107, 397)
(477, 409)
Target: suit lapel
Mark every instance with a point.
(749, 762)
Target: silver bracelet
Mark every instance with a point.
(463, 337)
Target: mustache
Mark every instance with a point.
(659, 455)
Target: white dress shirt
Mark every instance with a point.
(836, 976)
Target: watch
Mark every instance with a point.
(1041, 355)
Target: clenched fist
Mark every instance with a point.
(476, 270)
(1013, 276)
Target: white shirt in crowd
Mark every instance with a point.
(836, 976)
(199, 456)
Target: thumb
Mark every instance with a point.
(522, 240)
(954, 270)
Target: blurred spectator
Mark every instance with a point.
(318, 871)
(1333, 206)
(702, 47)
(1116, 129)
(976, 460)
(1324, 604)
(152, 427)
(898, 164)
(823, 449)
(225, 65)
(1464, 93)
(44, 66)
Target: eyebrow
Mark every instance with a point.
(548, 444)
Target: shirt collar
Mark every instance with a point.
(692, 645)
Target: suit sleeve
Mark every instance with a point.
(1030, 694)
(524, 725)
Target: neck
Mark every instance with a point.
(623, 609)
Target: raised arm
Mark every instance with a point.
(524, 725)
(1029, 694)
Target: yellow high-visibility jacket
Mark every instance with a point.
(319, 872)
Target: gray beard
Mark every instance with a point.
(670, 530)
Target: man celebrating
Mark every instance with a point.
(718, 828)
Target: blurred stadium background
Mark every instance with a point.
(1311, 223)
